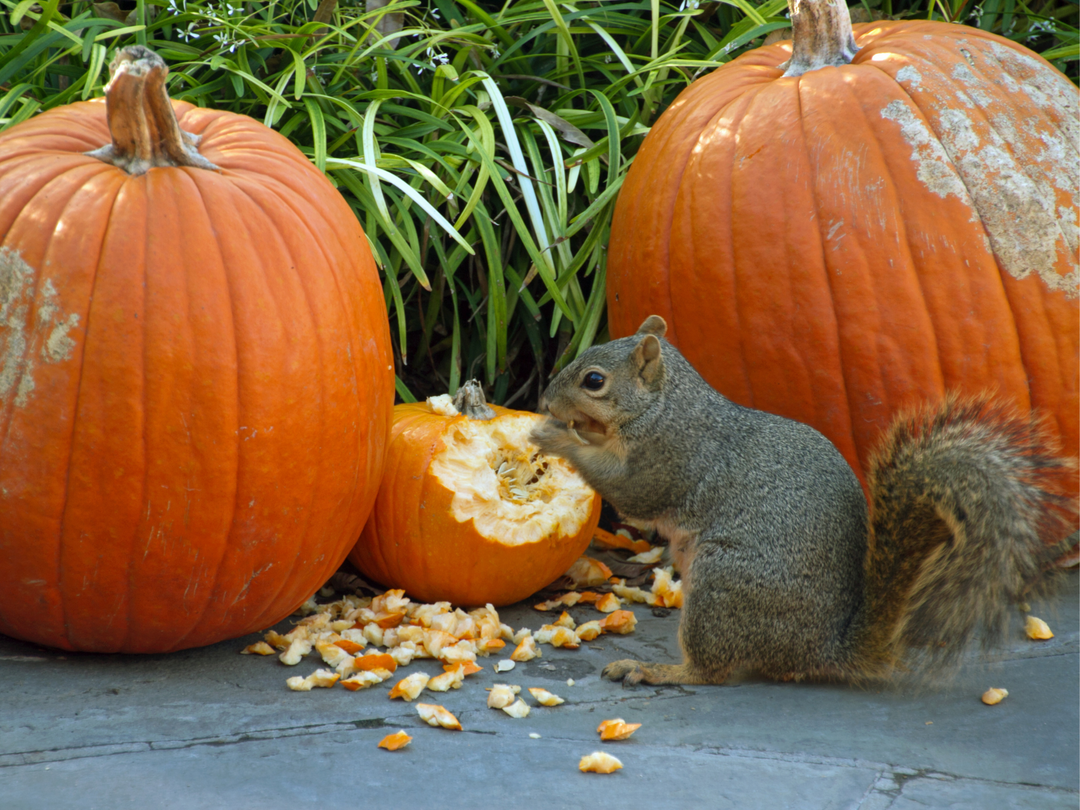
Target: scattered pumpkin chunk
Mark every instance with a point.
(437, 716)
(501, 695)
(392, 742)
(526, 650)
(320, 677)
(518, 709)
(409, 688)
(994, 696)
(599, 762)
(620, 540)
(617, 729)
(588, 572)
(544, 697)
(1037, 629)
(608, 603)
(258, 648)
(620, 622)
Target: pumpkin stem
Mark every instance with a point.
(144, 129)
(470, 401)
(821, 34)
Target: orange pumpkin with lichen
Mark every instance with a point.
(860, 220)
(196, 382)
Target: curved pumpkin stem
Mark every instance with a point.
(821, 34)
(470, 401)
(144, 129)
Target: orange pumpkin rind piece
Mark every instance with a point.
(993, 696)
(519, 709)
(502, 695)
(589, 630)
(608, 603)
(374, 660)
(451, 679)
(351, 647)
(527, 650)
(667, 590)
(1037, 630)
(617, 540)
(557, 636)
(258, 648)
(393, 742)
(650, 557)
(599, 762)
(620, 622)
(631, 594)
(617, 729)
(588, 572)
(544, 697)
(320, 678)
(362, 680)
(410, 687)
(438, 716)
(467, 668)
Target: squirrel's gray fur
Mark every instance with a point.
(784, 571)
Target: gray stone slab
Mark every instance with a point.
(211, 728)
(440, 769)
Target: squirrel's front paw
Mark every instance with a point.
(628, 671)
(550, 435)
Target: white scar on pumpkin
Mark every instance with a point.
(45, 334)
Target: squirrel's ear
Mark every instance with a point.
(647, 359)
(653, 325)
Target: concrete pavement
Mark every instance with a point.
(209, 728)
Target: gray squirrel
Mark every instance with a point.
(786, 570)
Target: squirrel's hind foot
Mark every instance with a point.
(632, 672)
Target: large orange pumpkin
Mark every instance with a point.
(864, 231)
(195, 377)
(469, 511)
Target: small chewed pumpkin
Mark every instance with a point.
(469, 510)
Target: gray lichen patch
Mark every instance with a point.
(934, 168)
(26, 335)
(994, 129)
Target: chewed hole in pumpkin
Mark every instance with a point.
(503, 483)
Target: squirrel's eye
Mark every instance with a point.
(593, 381)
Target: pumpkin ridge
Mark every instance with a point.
(1009, 309)
(904, 235)
(235, 185)
(287, 579)
(752, 97)
(294, 201)
(106, 219)
(168, 188)
(741, 105)
(847, 394)
(58, 587)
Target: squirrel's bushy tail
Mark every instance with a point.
(968, 511)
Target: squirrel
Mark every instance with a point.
(786, 569)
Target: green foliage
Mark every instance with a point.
(482, 145)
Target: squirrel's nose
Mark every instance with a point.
(542, 407)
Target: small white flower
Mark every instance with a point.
(177, 8)
(233, 9)
(189, 33)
